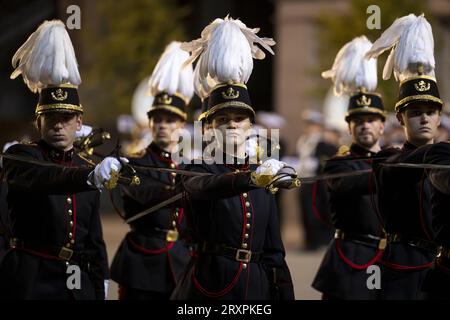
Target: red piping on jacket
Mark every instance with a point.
(377, 257)
(238, 273)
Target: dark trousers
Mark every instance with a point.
(316, 224)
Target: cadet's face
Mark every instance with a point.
(366, 130)
(421, 122)
(58, 129)
(232, 126)
(164, 127)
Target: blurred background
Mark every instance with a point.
(119, 43)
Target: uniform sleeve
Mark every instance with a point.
(96, 249)
(23, 176)
(274, 258)
(389, 175)
(352, 185)
(136, 198)
(215, 186)
(439, 154)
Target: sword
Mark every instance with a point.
(156, 207)
(121, 178)
(416, 165)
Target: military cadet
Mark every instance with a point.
(359, 238)
(437, 282)
(404, 194)
(232, 219)
(152, 256)
(54, 208)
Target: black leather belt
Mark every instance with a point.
(412, 241)
(57, 253)
(365, 239)
(240, 255)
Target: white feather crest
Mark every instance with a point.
(351, 71)
(202, 86)
(227, 47)
(171, 75)
(410, 39)
(47, 58)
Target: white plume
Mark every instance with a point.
(47, 58)
(202, 86)
(171, 75)
(410, 39)
(351, 71)
(227, 48)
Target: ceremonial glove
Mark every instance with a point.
(265, 173)
(83, 132)
(106, 173)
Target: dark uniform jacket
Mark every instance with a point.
(53, 212)
(224, 214)
(146, 260)
(404, 202)
(342, 273)
(4, 216)
(437, 283)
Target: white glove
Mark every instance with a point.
(84, 131)
(106, 173)
(264, 174)
(106, 285)
(270, 167)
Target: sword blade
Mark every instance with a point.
(416, 165)
(155, 208)
(334, 176)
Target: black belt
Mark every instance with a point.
(57, 253)
(412, 241)
(365, 239)
(240, 255)
(163, 234)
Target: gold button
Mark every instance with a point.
(247, 225)
(174, 223)
(69, 200)
(173, 174)
(237, 170)
(69, 212)
(247, 204)
(71, 223)
(245, 194)
(244, 246)
(248, 214)
(70, 235)
(244, 266)
(246, 236)
(67, 263)
(172, 165)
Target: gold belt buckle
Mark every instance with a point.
(247, 255)
(172, 235)
(65, 253)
